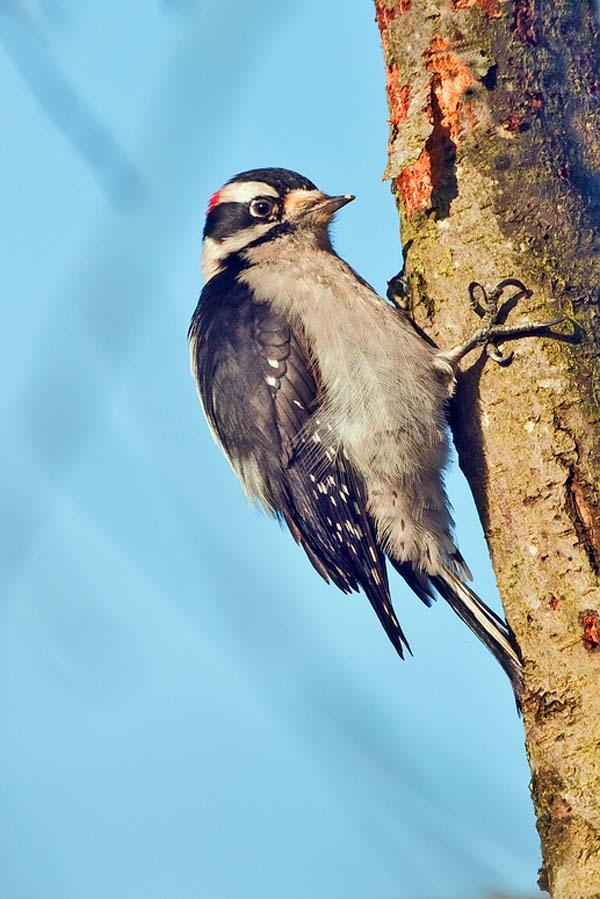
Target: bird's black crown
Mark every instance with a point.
(283, 180)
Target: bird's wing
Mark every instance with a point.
(260, 391)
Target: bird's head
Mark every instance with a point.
(261, 205)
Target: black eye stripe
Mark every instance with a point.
(227, 218)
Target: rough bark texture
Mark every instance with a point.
(494, 157)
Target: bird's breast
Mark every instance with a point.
(382, 400)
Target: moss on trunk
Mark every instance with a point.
(494, 158)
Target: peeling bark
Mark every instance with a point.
(494, 158)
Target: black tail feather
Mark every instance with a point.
(418, 583)
(485, 624)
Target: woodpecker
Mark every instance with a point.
(329, 403)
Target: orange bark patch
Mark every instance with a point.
(422, 183)
(399, 95)
(415, 183)
(384, 15)
(591, 629)
(513, 122)
(451, 78)
(490, 7)
(535, 101)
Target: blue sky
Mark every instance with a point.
(187, 710)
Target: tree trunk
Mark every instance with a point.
(494, 157)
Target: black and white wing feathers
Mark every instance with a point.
(260, 393)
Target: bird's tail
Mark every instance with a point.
(489, 627)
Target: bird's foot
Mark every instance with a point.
(397, 292)
(490, 310)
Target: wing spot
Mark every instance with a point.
(377, 579)
(274, 363)
(390, 613)
(372, 553)
(271, 381)
(333, 501)
(299, 404)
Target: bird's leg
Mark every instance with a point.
(398, 295)
(487, 306)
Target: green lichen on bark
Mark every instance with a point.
(495, 162)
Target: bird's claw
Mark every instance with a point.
(487, 306)
(489, 309)
(496, 355)
(397, 292)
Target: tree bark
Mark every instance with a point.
(494, 157)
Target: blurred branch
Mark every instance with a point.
(34, 59)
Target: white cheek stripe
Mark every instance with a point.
(244, 191)
(211, 258)
(214, 252)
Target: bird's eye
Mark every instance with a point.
(262, 207)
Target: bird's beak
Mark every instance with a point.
(314, 206)
(330, 205)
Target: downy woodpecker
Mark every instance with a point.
(329, 405)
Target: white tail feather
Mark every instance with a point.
(488, 626)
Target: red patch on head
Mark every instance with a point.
(214, 201)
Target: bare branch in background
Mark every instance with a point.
(38, 65)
